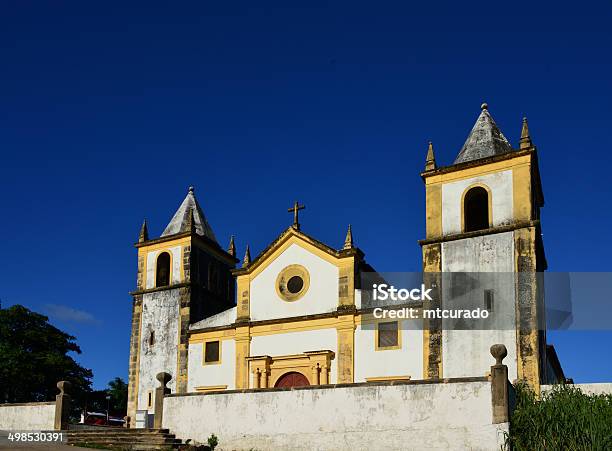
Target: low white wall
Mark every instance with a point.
(587, 389)
(420, 416)
(27, 417)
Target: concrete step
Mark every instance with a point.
(124, 439)
(116, 434)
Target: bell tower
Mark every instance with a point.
(183, 277)
(483, 218)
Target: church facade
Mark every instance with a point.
(296, 313)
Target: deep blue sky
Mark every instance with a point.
(108, 113)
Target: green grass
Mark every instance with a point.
(563, 419)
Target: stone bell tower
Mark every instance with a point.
(183, 277)
(483, 218)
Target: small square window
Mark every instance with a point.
(388, 335)
(211, 352)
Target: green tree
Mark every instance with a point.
(36, 355)
(117, 404)
(118, 390)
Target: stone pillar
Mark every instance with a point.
(315, 374)
(257, 377)
(160, 393)
(62, 406)
(325, 374)
(499, 385)
(264, 378)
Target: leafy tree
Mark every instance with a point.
(117, 404)
(118, 391)
(36, 355)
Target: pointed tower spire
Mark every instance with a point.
(485, 140)
(247, 258)
(525, 141)
(232, 247)
(348, 241)
(179, 222)
(430, 161)
(144, 232)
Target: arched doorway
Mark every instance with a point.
(292, 379)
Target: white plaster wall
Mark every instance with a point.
(34, 416)
(297, 343)
(500, 184)
(176, 253)
(322, 296)
(407, 361)
(466, 352)
(438, 416)
(223, 318)
(160, 313)
(206, 375)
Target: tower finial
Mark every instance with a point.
(484, 106)
(430, 161)
(144, 232)
(247, 258)
(232, 247)
(191, 189)
(348, 241)
(525, 141)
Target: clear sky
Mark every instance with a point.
(108, 113)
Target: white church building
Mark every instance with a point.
(296, 314)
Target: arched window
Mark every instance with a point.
(476, 209)
(162, 271)
(152, 338)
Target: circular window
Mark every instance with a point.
(292, 282)
(295, 284)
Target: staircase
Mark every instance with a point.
(124, 439)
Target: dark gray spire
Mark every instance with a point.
(485, 139)
(189, 215)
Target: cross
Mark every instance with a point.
(296, 207)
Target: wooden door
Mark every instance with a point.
(292, 379)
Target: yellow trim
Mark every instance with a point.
(271, 329)
(213, 335)
(433, 210)
(315, 366)
(243, 350)
(489, 201)
(215, 362)
(207, 388)
(157, 255)
(521, 193)
(285, 275)
(286, 243)
(399, 336)
(467, 173)
(164, 245)
(345, 330)
(137, 369)
(182, 269)
(388, 378)
(144, 273)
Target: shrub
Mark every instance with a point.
(213, 441)
(563, 419)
